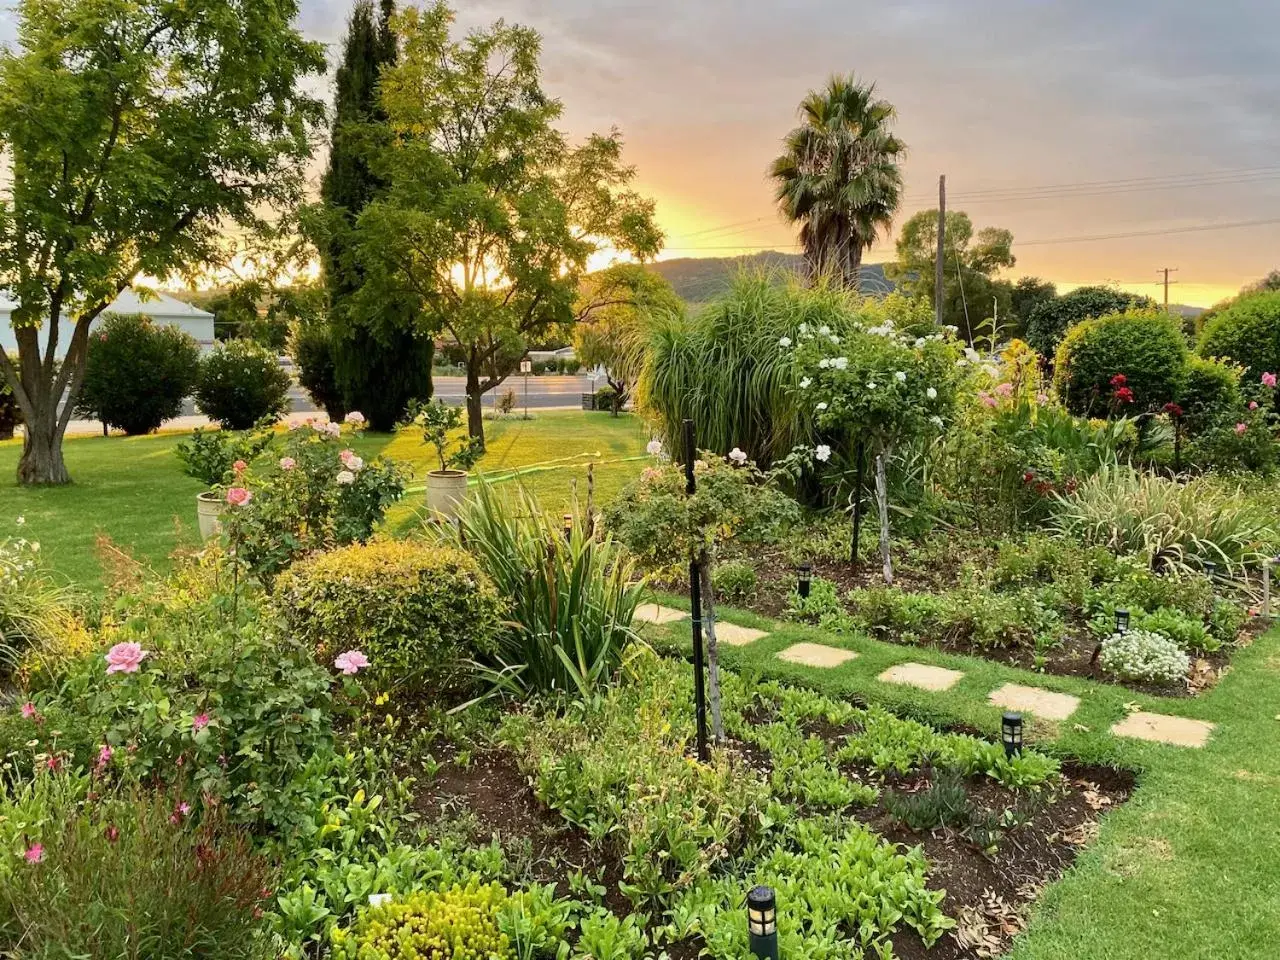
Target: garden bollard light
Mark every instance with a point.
(762, 923)
(1011, 734)
(568, 526)
(804, 580)
(1122, 621)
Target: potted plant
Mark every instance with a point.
(210, 456)
(447, 486)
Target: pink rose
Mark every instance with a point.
(125, 658)
(29, 711)
(355, 417)
(351, 662)
(104, 755)
(287, 463)
(1268, 379)
(1241, 427)
(239, 467)
(1253, 404)
(238, 496)
(1042, 398)
(34, 854)
(199, 722)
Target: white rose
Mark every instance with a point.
(804, 384)
(900, 377)
(654, 447)
(871, 385)
(822, 452)
(822, 405)
(840, 363)
(345, 478)
(784, 341)
(931, 393)
(737, 456)
(936, 421)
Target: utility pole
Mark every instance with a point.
(942, 246)
(1166, 271)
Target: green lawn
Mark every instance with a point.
(132, 490)
(1188, 869)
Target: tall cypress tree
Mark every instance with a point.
(380, 362)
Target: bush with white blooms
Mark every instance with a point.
(1144, 656)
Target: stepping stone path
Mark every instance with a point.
(735, 635)
(1158, 728)
(922, 675)
(1042, 703)
(816, 655)
(652, 613)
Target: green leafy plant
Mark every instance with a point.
(1121, 364)
(210, 455)
(1247, 332)
(462, 921)
(241, 383)
(137, 373)
(419, 613)
(38, 626)
(571, 599)
(441, 425)
(735, 581)
(10, 411)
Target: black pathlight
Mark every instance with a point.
(1011, 733)
(568, 526)
(804, 580)
(1122, 621)
(762, 923)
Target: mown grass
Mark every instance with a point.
(132, 489)
(1188, 869)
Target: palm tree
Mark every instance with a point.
(838, 175)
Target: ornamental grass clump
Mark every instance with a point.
(1144, 656)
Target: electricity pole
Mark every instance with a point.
(942, 246)
(1166, 271)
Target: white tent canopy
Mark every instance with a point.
(161, 308)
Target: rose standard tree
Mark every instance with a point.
(489, 215)
(133, 133)
(872, 389)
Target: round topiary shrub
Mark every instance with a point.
(137, 373)
(417, 612)
(1123, 363)
(1143, 656)
(240, 384)
(1052, 318)
(1248, 332)
(1210, 391)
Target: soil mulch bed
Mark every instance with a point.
(987, 893)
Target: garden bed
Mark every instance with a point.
(837, 767)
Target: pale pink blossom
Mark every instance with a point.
(1268, 379)
(239, 467)
(199, 722)
(34, 854)
(1253, 404)
(1005, 389)
(1241, 427)
(287, 463)
(988, 399)
(350, 460)
(29, 711)
(184, 808)
(333, 429)
(125, 658)
(1042, 398)
(345, 478)
(351, 662)
(354, 417)
(104, 754)
(239, 496)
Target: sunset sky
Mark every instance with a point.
(1053, 119)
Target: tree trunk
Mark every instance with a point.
(475, 408)
(882, 502)
(713, 656)
(41, 461)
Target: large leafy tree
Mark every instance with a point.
(838, 175)
(380, 357)
(972, 296)
(133, 133)
(490, 215)
(620, 306)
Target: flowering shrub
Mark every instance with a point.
(318, 494)
(1146, 349)
(98, 877)
(415, 613)
(209, 455)
(1143, 656)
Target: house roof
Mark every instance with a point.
(159, 306)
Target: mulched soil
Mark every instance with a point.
(1073, 658)
(987, 893)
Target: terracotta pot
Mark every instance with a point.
(446, 489)
(209, 507)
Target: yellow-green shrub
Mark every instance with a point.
(416, 611)
(460, 923)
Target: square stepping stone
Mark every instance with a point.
(736, 635)
(1042, 703)
(1158, 728)
(653, 613)
(923, 676)
(816, 655)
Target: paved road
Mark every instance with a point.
(544, 392)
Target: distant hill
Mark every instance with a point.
(699, 279)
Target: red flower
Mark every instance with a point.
(1173, 410)
(1028, 477)
(1119, 380)
(1124, 395)
(112, 833)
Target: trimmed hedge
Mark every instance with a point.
(1248, 332)
(1051, 319)
(417, 612)
(1210, 390)
(1147, 349)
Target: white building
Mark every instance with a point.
(162, 309)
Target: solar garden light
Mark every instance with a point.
(1122, 621)
(804, 580)
(762, 923)
(1211, 571)
(568, 526)
(1011, 733)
